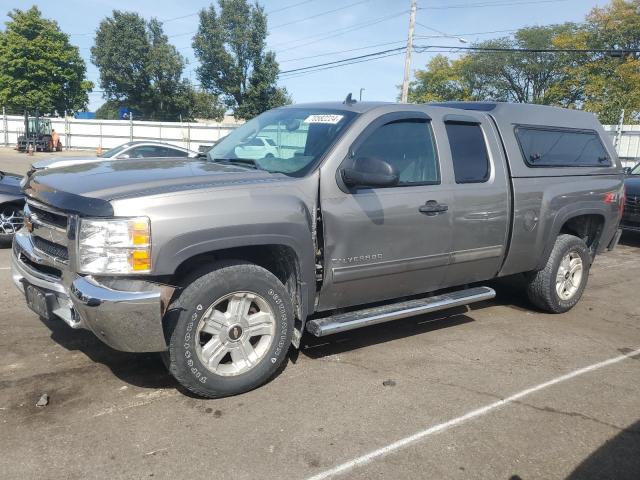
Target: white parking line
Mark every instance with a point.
(405, 442)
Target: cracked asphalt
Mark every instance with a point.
(120, 416)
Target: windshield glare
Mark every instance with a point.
(288, 140)
(114, 151)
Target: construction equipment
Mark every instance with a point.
(38, 135)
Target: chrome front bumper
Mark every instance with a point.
(125, 314)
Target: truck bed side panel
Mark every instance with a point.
(541, 207)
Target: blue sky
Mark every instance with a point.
(294, 39)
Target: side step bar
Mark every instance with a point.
(342, 322)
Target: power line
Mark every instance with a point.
(499, 3)
(368, 55)
(337, 32)
(346, 64)
(166, 20)
(288, 7)
(340, 51)
(443, 48)
(326, 12)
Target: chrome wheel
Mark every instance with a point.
(235, 333)
(569, 276)
(11, 220)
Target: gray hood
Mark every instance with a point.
(87, 188)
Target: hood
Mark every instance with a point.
(632, 185)
(87, 188)
(10, 183)
(64, 161)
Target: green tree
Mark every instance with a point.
(440, 82)
(607, 84)
(39, 68)
(230, 46)
(141, 70)
(500, 75)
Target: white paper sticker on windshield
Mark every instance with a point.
(329, 118)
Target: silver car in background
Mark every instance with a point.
(140, 149)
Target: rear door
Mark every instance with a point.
(480, 216)
(381, 243)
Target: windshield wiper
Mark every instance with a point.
(242, 161)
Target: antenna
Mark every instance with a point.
(349, 100)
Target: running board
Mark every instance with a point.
(342, 322)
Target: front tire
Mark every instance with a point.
(558, 287)
(230, 330)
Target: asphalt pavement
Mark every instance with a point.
(496, 391)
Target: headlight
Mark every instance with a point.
(118, 246)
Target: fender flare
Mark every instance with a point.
(170, 257)
(565, 214)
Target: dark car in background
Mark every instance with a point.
(631, 217)
(11, 205)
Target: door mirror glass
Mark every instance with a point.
(124, 156)
(370, 172)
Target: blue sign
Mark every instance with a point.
(124, 113)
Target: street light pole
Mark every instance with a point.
(407, 55)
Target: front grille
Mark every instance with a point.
(632, 205)
(51, 218)
(51, 249)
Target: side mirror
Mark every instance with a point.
(370, 172)
(124, 156)
(201, 155)
(627, 170)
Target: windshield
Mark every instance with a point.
(114, 151)
(636, 170)
(288, 140)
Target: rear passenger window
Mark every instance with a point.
(468, 152)
(407, 145)
(543, 147)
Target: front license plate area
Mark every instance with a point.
(37, 301)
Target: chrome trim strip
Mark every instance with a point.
(369, 270)
(461, 256)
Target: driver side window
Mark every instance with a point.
(406, 145)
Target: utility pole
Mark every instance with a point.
(407, 55)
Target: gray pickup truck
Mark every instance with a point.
(356, 214)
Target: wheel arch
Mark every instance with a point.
(587, 224)
(280, 258)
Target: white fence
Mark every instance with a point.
(93, 134)
(627, 142)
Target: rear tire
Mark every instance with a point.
(558, 287)
(229, 330)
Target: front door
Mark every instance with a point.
(384, 243)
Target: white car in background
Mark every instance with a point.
(140, 149)
(257, 148)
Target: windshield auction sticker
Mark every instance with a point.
(332, 119)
